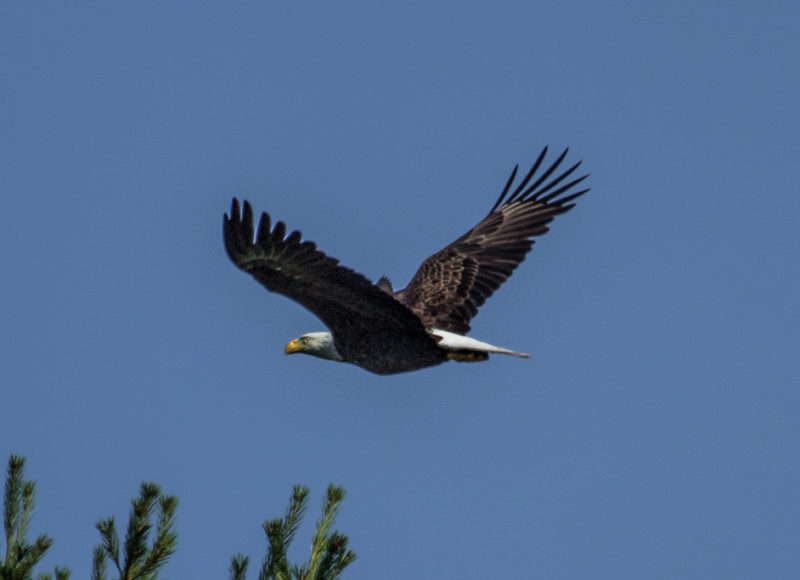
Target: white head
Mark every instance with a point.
(314, 343)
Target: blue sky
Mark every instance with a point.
(654, 433)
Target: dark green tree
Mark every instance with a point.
(21, 556)
(141, 560)
(329, 552)
(150, 538)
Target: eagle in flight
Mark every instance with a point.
(424, 324)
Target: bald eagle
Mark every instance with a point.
(425, 323)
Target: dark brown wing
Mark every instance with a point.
(450, 285)
(345, 301)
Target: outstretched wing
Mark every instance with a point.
(345, 301)
(451, 284)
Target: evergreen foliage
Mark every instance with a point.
(140, 561)
(329, 552)
(21, 556)
(151, 537)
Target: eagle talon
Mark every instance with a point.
(467, 355)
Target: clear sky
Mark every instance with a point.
(654, 434)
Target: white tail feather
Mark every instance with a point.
(453, 341)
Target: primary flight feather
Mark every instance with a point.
(425, 323)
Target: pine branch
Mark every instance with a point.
(140, 560)
(329, 552)
(280, 533)
(295, 512)
(12, 502)
(28, 555)
(61, 574)
(109, 545)
(18, 503)
(26, 513)
(320, 540)
(99, 559)
(238, 569)
(337, 557)
(166, 539)
(135, 549)
(275, 564)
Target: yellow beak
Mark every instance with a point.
(293, 347)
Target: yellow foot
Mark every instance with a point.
(467, 355)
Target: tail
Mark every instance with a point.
(451, 341)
